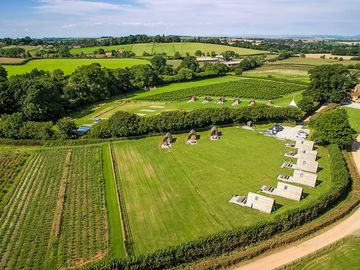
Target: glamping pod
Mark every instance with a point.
(214, 133)
(221, 100)
(236, 102)
(300, 177)
(207, 99)
(167, 140)
(304, 145)
(192, 137)
(284, 190)
(307, 165)
(252, 103)
(269, 102)
(256, 201)
(193, 99)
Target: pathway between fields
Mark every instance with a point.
(347, 227)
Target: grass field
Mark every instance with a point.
(342, 255)
(287, 74)
(169, 48)
(178, 195)
(69, 65)
(56, 217)
(354, 118)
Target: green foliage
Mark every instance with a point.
(332, 127)
(190, 63)
(143, 76)
(306, 104)
(67, 127)
(123, 124)
(12, 52)
(330, 83)
(246, 88)
(3, 73)
(249, 63)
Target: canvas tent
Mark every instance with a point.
(193, 99)
(207, 99)
(214, 133)
(192, 137)
(221, 100)
(167, 140)
(292, 103)
(236, 102)
(284, 190)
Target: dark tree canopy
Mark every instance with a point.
(330, 83)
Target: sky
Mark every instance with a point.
(94, 18)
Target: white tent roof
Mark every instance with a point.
(293, 103)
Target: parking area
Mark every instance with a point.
(289, 133)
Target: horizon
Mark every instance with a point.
(246, 18)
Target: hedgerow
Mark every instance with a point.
(123, 124)
(246, 88)
(226, 241)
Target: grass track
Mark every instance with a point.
(179, 195)
(115, 234)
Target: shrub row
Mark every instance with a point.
(123, 124)
(226, 241)
(245, 88)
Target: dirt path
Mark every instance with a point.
(347, 227)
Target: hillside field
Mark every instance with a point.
(69, 65)
(183, 193)
(169, 48)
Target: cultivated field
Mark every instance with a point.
(56, 217)
(69, 65)
(169, 48)
(181, 194)
(284, 74)
(342, 255)
(10, 166)
(8, 60)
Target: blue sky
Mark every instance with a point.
(90, 18)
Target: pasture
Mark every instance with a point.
(169, 48)
(177, 195)
(343, 255)
(56, 217)
(69, 65)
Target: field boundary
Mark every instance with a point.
(126, 229)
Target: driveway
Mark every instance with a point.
(289, 133)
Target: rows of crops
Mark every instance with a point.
(10, 166)
(246, 88)
(56, 217)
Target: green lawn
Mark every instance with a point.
(177, 195)
(343, 255)
(69, 65)
(170, 48)
(354, 118)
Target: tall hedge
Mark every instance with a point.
(226, 241)
(123, 124)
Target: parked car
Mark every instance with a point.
(277, 128)
(270, 132)
(301, 134)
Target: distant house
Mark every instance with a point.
(109, 54)
(100, 55)
(76, 47)
(232, 63)
(121, 50)
(207, 59)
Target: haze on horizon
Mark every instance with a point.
(93, 18)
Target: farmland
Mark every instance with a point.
(56, 217)
(69, 65)
(169, 48)
(343, 255)
(245, 88)
(10, 166)
(178, 195)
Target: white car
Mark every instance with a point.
(301, 134)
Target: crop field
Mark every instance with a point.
(69, 65)
(292, 75)
(170, 48)
(9, 60)
(56, 217)
(245, 88)
(178, 195)
(354, 118)
(10, 166)
(342, 255)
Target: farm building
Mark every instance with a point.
(109, 54)
(284, 190)
(256, 201)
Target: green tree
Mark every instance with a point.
(190, 63)
(306, 104)
(177, 55)
(330, 83)
(143, 76)
(158, 63)
(332, 127)
(198, 53)
(3, 73)
(66, 127)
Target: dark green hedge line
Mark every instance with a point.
(245, 88)
(227, 241)
(123, 124)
